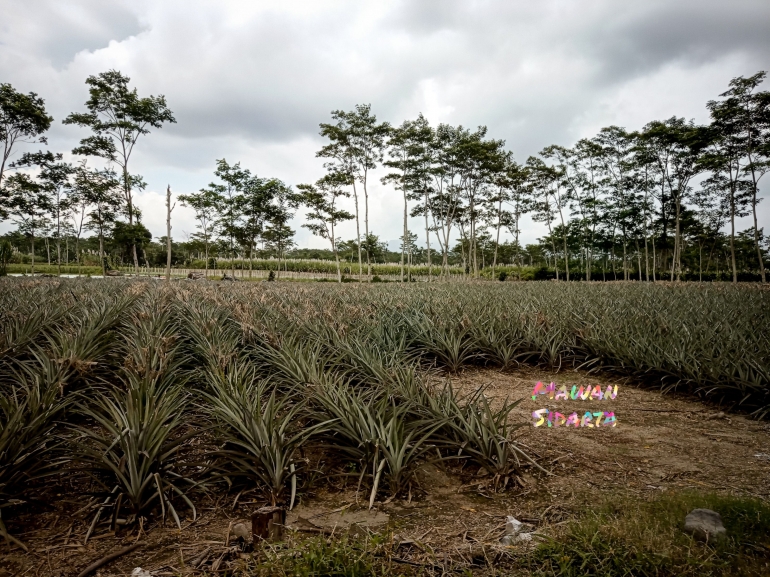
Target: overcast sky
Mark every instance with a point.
(250, 81)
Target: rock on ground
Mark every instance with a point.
(705, 525)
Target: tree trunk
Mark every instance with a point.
(206, 266)
(497, 240)
(169, 208)
(427, 239)
(366, 231)
(756, 233)
(336, 256)
(403, 243)
(732, 233)
(358, 233)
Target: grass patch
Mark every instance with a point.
(53, 269)
(645, 538)
(319, 556)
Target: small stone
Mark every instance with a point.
(719, 415)
(705, 525)
(514, 539)
(512, 525)
(139, 572)
(241, 531)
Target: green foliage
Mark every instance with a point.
(53, 269)
(623, 537)
(5, 256)
(345, 557)
(261, 364)
(382, 436)
(259, 436)
(29, 409)
(133, 452)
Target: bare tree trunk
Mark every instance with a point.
(427, 239)
(58, 241)
(336, 256)
(206, 266)
(366, 231)
(169, 208)
(732, 233)
(406, 232)
(497, 240)
(756, 234)
(358, 233)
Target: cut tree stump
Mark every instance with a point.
(267, 524)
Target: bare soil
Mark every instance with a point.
(661, 443)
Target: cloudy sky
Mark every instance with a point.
(250, 81)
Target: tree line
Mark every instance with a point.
(649, 204)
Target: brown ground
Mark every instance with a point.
(660, 443)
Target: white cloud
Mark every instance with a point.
(250, 81)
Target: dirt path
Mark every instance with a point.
(660, 443)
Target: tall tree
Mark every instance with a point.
(560, 189)
(95, 198)
(409, 152)
(519, 199)
(277, 231)
(445, 199)
(256, 206)
(543, 178)
(480, 161)
(23, 119)
(229, 197)
(324, 214)
(117, 116)
(679, 146)
(54, 177)
(742, 120)
(357, 145)
(29, 204)
(204, 203)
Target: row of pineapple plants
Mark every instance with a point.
(155, 393)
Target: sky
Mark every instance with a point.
(251, 81)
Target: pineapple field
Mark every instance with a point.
(142, 423)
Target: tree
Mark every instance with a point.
(229, 203)
(678, 146)
(409, 247)
(742, 125)
(519, 199)
(254, 207)
(169, 209)
(99, 191)
(357, 144)
(324, 215)
(409, 151)
(543, 179)
(29, 203)
(204, 203)
(54, 177)
(23, 119)
(445, 199)
(117, 116)
(479, 162)
(277, 232)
